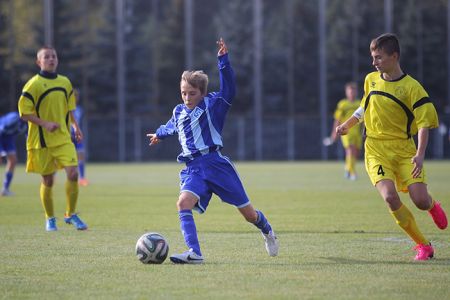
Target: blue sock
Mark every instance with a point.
(8, 179)
(189, 230)
(262, 223)
(81, 168)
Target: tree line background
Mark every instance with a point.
(158, 44)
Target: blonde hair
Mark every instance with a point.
(197, 79)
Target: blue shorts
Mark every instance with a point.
(7, 144)
(213, 173)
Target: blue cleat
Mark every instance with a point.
(50, 224)
(75, 221)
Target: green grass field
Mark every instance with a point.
(337, 239)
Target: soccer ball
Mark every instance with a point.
(152, 248)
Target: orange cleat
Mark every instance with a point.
(83, 182)
(438, 215)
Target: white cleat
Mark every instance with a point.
(271, 242)
(6, 193)
(188, 257)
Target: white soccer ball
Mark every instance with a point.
(152, 248)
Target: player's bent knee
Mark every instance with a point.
(186, 201)
(419, 195)
(392, 198)
(249, 213)
(72, 176)
(47, 180)
(423, 203)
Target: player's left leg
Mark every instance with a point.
(257, 218)
(225, 182)
(66, 156)
(405, 219)
(71, 187)
(423, 200)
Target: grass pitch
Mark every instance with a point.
(337, 239)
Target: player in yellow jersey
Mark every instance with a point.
(353, 140)
(394, 108)
(47, 103)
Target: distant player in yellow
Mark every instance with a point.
(47, 103)
(353, 140)
(394, 108)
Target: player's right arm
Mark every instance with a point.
(358, 115)
(153, 139)
(27, 109)
(163, 131)
(49, 126)
(356, 118)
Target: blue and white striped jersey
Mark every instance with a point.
(200, 129)
(11, 124)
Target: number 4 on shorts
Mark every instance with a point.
(380, 170)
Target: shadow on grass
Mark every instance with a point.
(305, 231)
(331, 261)
(351, 261)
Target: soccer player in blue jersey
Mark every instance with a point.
(10, 126)
(198, 122)
(79, 145)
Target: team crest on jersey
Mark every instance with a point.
(400, 91)
(373, 84)
(196, 113)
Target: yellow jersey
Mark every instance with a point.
(344, 110)
(50, 97)
(396, 109)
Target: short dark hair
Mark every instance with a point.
(351, 84)
(387, 42)
(45, 47)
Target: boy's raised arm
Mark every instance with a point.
(226, 74)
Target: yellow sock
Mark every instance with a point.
(47, 200)
(347, 163)
(71, 197)
(406, 221)
(351, 165)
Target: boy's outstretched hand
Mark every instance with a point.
(222, 47)
(153, 139)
